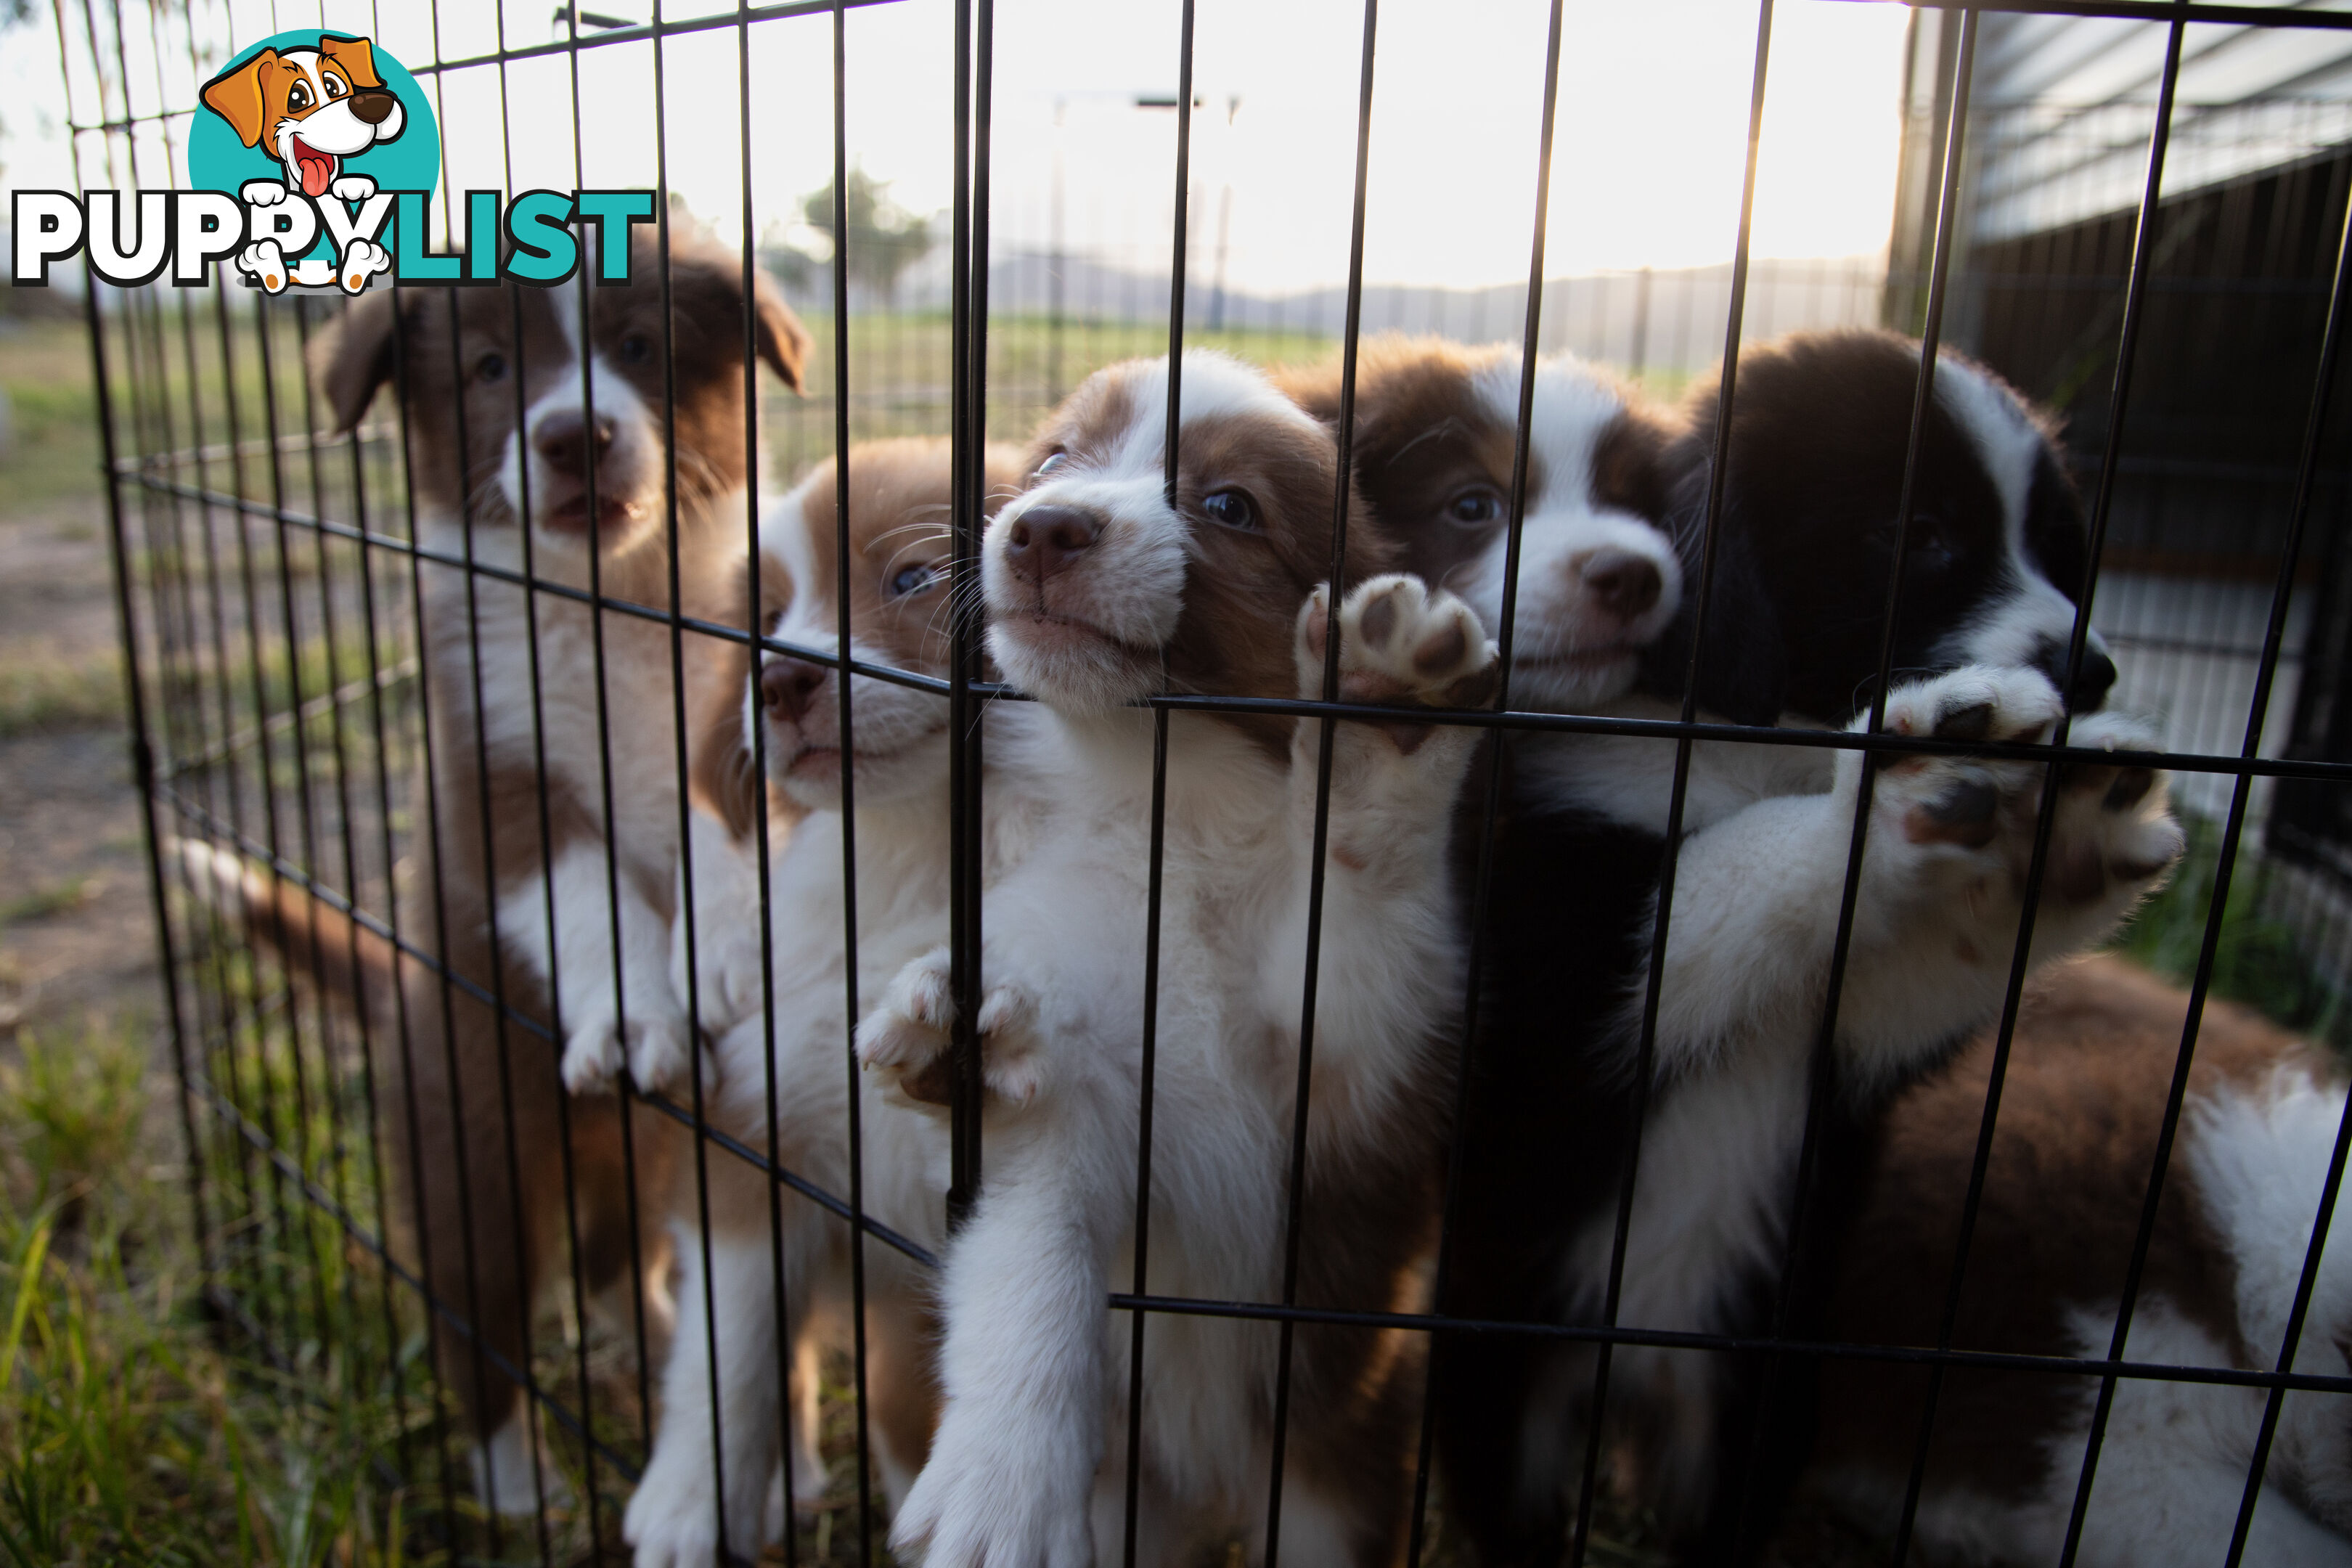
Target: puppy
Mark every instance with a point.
(900, 569)
(2081, 1106)
(1435, 436)
(1101, 588)
(507, 476)
(312, 108)
(1553, 1095)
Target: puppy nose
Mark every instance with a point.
(2093, 676)
(1624, 583)
(371, 107)
(564, 439)
(1044, 540)
(787, 685)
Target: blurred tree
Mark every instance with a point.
(885, 240)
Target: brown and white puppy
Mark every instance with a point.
(511, 472)
(1434, 446)
(899, 570)
(1102, 587)
(2081, 1108)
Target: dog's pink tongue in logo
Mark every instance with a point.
(317, 168)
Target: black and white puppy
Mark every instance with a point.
(1815, 465)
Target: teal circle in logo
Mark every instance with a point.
(220, 160)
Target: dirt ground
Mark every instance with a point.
(77, 940)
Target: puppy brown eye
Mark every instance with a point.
(489, 368)
(1231, 508)
(635, 349)
(297, 96)
(335, 89)
(912, 580)
(1475, 508)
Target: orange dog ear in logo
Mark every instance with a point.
(241, 96)
(355, 57)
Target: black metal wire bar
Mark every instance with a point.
(1149, 1065)
(142, 753)
(626, 1089)
(440, 966)
(330, 632)
(566, 1156)
(1319, 842)
(1646, 1046)
(684, 917)
(478, 720)
(2126, 347)
(264, 763)
(859, 1350)
(1171, 448)
(969, 426)
(1490, 808)
(1822, 1070)
(757, 735)
(399, 998)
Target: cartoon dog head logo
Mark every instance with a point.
(311, 108)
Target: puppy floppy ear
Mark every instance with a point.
(1742, 673)
(241, 96)
(777, 333)
(354, 356)
(722, 776)
(722, 773)
(356, 56)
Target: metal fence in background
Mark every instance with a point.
(2169, 299)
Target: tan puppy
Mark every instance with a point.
(900, 611)
(489, 1203)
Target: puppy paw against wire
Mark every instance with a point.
(906, 1037)
(1400, 642)
(660, 1046)
(1960, 826)
(2115, 839)
(989, 1496)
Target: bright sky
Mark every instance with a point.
(1653, 117)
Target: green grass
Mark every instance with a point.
(130, 1432)
(2258, 961)
(42, 903)
(41, 692)
(44, 372)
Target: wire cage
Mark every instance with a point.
(2090, 203)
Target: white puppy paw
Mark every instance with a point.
(907, 1039)
(352, 188)
(995, 1498)
(593, 1053)
(261, 192)
(1961, 820)
(1400, 642)
(673, 1516)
